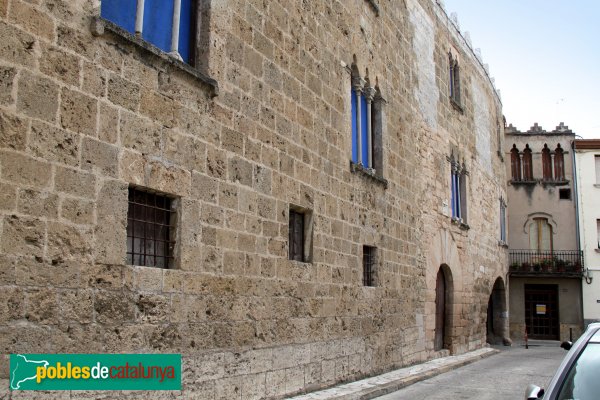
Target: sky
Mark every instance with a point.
(544, 56)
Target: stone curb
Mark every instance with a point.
(390, 382)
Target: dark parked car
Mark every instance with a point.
(578, 376)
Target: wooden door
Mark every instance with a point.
(440, 310)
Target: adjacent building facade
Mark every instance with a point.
(290, 194)
(587, 160)
(546, 264)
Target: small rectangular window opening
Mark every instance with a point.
(369, 265)
(564, 194)
(296, 251)
(150, 225)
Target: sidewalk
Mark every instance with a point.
(390, 382)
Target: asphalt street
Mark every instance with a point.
(504, 376)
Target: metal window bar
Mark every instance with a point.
(149, 228)
(550, 261)
(139, 25)
(368, 266)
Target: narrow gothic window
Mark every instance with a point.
(527, 164)
(367, 123)
(454, 79)
(515, 163)
(559, 164)
(458, 185)
(546, 163)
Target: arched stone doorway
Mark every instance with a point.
(443, 300)
(496, 313)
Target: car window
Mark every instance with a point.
(582, 382)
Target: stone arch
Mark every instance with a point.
(443, 308)
(443, 255)
(496, 313)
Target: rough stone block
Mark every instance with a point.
(99, 156)
(132, 167)
(34, 271)
(7, 80)
(123, 92)
(153, 308)
(168, 179)
(94, 80)
(186, 151)
(140, 134)
(59, 64)
(23, 236)
(32, 19)
(111, 229)
(106, 277)
(160, 108)
(42, 306)
(13, 130)
(37, 96)
(66, 242)
(204, 188)
(77, 211)
(17, 47)
(114, 307)
(38, 204)
(108, 123)
(77, 305)
(78, 112)
(54, 144)
(12, 304)
(75, 182)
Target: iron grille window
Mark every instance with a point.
(149, 229)
(369, 266)
(296, 236)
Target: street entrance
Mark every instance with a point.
(541, 311)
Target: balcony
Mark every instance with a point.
(556, 263)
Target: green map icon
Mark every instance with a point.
(23, 369)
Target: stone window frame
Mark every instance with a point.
(172, 225)
(458, 192)
(362, 93)
(100, 26)
(454, 83)
(306, 255)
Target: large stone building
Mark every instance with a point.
(587, 178)
(288, 193)
(546, 264)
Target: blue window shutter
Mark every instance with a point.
(354, 128)
(185, 30)
(158, 23)
(363, 130)
(120, 12)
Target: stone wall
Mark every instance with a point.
(262, 123)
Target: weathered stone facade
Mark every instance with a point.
(85, 112)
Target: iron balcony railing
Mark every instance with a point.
(551, 262)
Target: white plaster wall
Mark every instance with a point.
(589, 212)
(426, 92)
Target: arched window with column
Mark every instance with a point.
(527, 164)
(515, 163)
(559, 164)
(546, 163)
